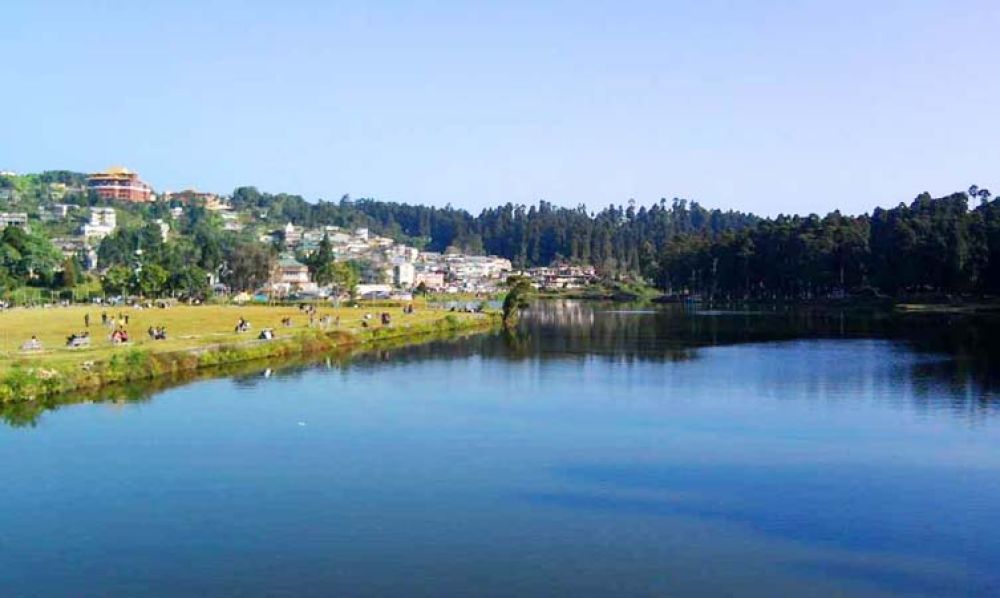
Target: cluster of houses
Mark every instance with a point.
(392, 269)
(396, 270)
(559, 277)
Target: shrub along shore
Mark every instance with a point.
(198, 337)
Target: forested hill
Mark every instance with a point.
(617, 238)
(949, 244)
(941, 245)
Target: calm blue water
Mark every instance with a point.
(601, 452)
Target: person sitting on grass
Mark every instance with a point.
(266, 334)
(78, 340)
(242, 325)
(33, 344)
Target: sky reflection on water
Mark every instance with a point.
(594, 453)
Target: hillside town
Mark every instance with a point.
(385, 267)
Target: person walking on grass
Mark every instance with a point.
(86, 320)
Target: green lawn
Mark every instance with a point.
(188, 327)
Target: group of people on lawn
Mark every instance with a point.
(119, 333)
(119, 326)
(385, 317)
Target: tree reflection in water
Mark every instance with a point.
(957, 364)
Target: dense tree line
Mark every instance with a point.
(615, 239)
(931, 245)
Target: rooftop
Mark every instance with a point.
(115, 171)
(290, 262)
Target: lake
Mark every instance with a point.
(603, 450)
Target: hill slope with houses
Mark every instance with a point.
(63, 227)
(113, 227)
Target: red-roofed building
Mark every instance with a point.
(119, 183)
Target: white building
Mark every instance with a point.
(18, 219)
(431, 280)
(293, 234)
(374, 291)
(164, 229)
(403, 274)
(90, 259)
(103, 222)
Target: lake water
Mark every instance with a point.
(601, 451)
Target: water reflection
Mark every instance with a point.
(599, 450)
(937, 361)
(953, 362)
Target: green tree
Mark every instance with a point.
(153, 280)
(320, 262)
(344, 277)
(249, 266)
(70, 273)
(515, 301)
(118, 280)
(191, 282)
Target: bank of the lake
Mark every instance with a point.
(28, 413)
(200, 337)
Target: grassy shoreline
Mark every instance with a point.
(28, 377)
(28, 413)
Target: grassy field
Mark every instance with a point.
(188, 327)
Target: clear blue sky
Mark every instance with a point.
(784, 106)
